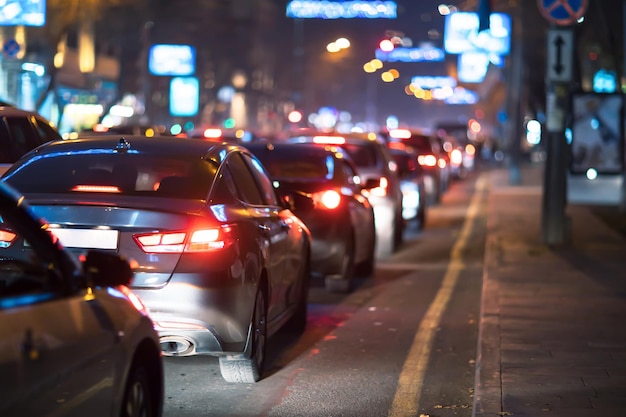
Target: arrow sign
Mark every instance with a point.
(560, 55)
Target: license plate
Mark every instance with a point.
(87, 238)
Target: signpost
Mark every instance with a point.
(559, 48)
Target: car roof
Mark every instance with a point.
(8, 110)
(160, 145)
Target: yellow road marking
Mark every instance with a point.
(409, 389)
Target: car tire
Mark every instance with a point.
(249, 370)
(138, 395)
(342, 282)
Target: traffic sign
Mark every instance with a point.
(560, 54)
(563, 12)
(11, 48)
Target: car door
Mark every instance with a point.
(272, 229)
(57, 350)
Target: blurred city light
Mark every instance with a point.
(316, 9)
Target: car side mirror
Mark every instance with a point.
(107, 269)
(371, 183)
(297, 201)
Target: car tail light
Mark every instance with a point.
(329, 199)
(456, 157)
(400, 133)
(6, 238)
(427, 160)
(200, 240)
(212, 133)
(134, 300)
(329, 140)
(96, 189)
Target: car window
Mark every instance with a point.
(269, 194)
(125, 174)
(362, 156)
(246, 184)
(46, 131)
(21, 138)
(224, 190)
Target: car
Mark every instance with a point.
(375, 166)
(413, 184)
(220, 260)
(462, 153)
(21, 131)
(76, 341)
(431, 157)
(340, 218)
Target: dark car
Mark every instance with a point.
(21, 131)
(75, 340)
(340, 218)
(220, 261)
(375, 165)
(431, 157)
(412, 182)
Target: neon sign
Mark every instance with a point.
(402, 54)
(324, 9)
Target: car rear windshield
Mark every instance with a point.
(363, 155)
(298, 165)
(125, 174)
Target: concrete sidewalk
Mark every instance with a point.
(552, 336)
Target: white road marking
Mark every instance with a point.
(411, 380)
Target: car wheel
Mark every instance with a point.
(138, 396)
(342, 282)
(249, 370)
(297, 323)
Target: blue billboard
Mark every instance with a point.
(324, 9)
(173, 60)
(23, 13)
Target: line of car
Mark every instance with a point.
(221, 240)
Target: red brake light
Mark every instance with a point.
(400, 133)
(6, 238)
(200, 240)
(327, 199)
(96, 189)
(212, 133)
(329, 140)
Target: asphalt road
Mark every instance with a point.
(403, 343)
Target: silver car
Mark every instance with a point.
(219, 259)
(75, 340)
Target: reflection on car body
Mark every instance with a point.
(340, 218)
(219, 260)
(74, 337)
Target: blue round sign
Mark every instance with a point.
(563, 12)
(11, 48)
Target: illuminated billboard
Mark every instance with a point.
(173, 60)
(184, 96)
(23, 13)
(324, 9)
(461, 34)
